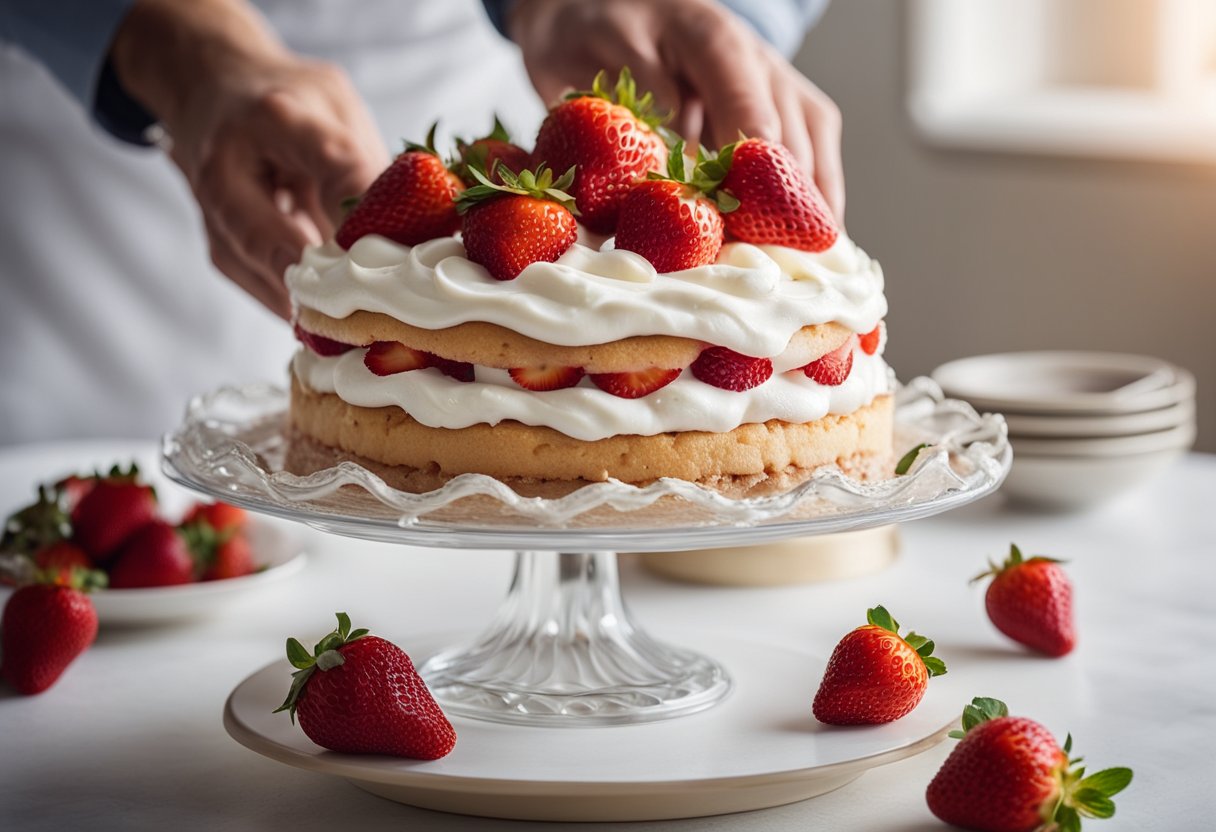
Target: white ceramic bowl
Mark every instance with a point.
(1063, 382)
(1110, 446)
(1087, 427)
(1073, 483)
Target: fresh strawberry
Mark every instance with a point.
(1008, 774)
(459, 370)
(45, 626)
(410, 202)
(874, 675)
(527, 219)
(233, 559)
(61, 558)
(325, 347)
(613, 139)
(73, 488)
(360, 694)
(539, 379)
(634, 385)
(111, 512)
(833, 368)
(386, 358)
(223, 517)
(778, 204)
(729, 370)
(485, 154)
(1031, 602)
(155, 555)
(870, 341)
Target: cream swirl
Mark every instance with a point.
(752, 300)
(584, 411)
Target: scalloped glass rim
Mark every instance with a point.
(232, 441)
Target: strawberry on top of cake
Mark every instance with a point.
(472, 316)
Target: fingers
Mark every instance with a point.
(795, 134)
(268, 291)
(824, 125)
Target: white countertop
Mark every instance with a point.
(130, 737)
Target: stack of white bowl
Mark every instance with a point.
(1085, 426)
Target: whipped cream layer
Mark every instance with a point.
(584, 411)
(752, 300)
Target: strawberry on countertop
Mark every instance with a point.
(675, 221)
(45, 626)
(1031, 602)
(527, 219)
(359, 694)
(778, 203)
(410, 202)
(875, 675)
(1008, 774)
(612, 137)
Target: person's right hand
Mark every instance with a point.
(270, 143)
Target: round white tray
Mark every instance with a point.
(761, 747)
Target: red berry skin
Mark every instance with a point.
(62, 557)
(729, 370)
(832, 369)
(233, 559)
(156, 555)
(489, 152)
(409, 203)
(634, 385)
(872, 677)
(110, 513)
(612, 148)
(1032, 604)
(220, 516)
(43, 629)
(322, 346)
(670, 225)
(1003, 776)
(374, 703)
(778, 203)
(511, 232)
(869, 341)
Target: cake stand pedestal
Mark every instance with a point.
(563, 652)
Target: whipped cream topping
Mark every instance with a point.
(752, 300)
(584, 411)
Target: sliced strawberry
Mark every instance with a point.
(729, 370)
(869, 342)
(539, 379)
(320, 344)
(387, 358)
(634, 385)
(459, 370)
(833, 368)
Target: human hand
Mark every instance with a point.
(699, 60)
(271, 144)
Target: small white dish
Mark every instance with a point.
(1084, 427)
(1074, 483)
(1062, 382)
(1179, 437)
(274, 547)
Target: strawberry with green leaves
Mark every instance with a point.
(1030, 600)
(155, 555)
(675, 221)
(614, 139)
(485, 154)
(1008, 774)
(778, 203)
(875, 675)
(527, 219)
(117, 506)
(45, 626)
(359, 694)
(410, 202)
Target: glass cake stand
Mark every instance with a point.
(563, 649)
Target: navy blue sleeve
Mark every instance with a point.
(783, 23)
(72, 39)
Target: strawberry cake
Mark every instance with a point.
(715, 326)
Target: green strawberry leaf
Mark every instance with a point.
(935, 666)
(1092, 803)
(1108, 782)
(905, 462)
(879, 617)
(916, 642)
(343, 625)
(298, 655)
(1015, 555)
(1067, 820)
(1068, 746)
(981, 710)
(357, 634)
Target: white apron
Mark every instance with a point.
(111, 315)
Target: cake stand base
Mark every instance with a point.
(760, 747)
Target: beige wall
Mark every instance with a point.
(992, 252)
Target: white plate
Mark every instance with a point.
(1073, 483)
(760, 747)
(1177, 438)
(275, 543)
(1060, 382)
(1083, 426)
